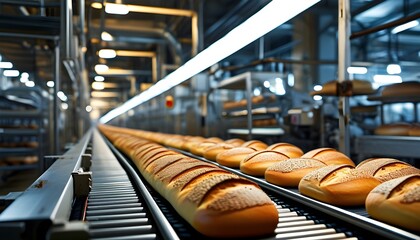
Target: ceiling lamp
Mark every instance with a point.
(113, 8)
(107, 53)
(6, 65)
(405, 26)
(268, 18)
(99, 78)
(387, 79)
(11, 73)
(98, 85)
(100, 68)
(357, 70)
(106, 36)
(96, 5)
(393, 69)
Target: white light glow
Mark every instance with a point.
(119, 9)
(50, 84)
(100, 68)
(393, 69)
(106, 36)
(30, 84)
(98, 85)
(24, 75)
(64, 106)
(405, 26)
(99, 78)
(317, 88)
(278, 87)
(11, 73)
(6, 65)
(290, 79)
(257, 92)
(357, 70)
(267, 84)
(88, 108)
(271, 16)
(62, 96)
(107, 53)
(96, 5)
(317, 97)
(387, 79)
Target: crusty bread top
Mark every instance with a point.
(399, 186)
(255, 144)
(265, 155)
(314, 152)
(293, 164)
(239, 151)
(235, 142)
(320, 174)
(163, 162)
(170, 172)
(289, 149)
(385, 169)
(182, 180)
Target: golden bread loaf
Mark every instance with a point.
(212, 152)
(236, 142)
(397, 202)
(414, 130)
(256, 163)
(403, 89)
(255, 144)
(288, 173)
(215, 202)
(233, 157)
(286, 148)
(385, 169)
(394, 129)
(329, 156)
(340, 185)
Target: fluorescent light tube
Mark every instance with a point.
(88, 108)
(96, 5)
(107, 53)
(11, 73)
(393, 69)
(268, 18)
(99, 78)
(405, 26)
(317, 88)
(113, 8)
(6, 65)
(100, 68)
(106, 36)
(387, 79)
(50, 84)
(62, 96)
(98, 85)
(357, 70)
(30, 84)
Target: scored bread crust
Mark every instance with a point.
(397, 202)
(290, 150)
(212, 152)
(255, 144)
(215, 202)
(288, 173)
(256, 163)
(330, 156)
(233, 157)
(236, 142)
(340, 185)
(385, 169)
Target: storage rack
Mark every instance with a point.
(22, 117)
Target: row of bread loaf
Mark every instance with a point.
(324, 174)
(214, 201)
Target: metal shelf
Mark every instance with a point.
(257, 131)
(395, 146)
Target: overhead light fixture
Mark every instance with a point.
(11, 73)
(98, 85)
(268, 18)
(317, 97)
(100, 68)
(387, 79)
(88, 108)
(30, 83)
(62, 96)
(99, 78)
(24, 77)
(318, 87)
(50, 84)
(106, 36)
(114, 8)
(6, 65)
(107, 53)
(393, 69)
(357, 70)
(405, 26)
(64, 106)
(96, 5)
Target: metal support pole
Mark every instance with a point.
(56, 100)
(248, 82)
(343, 63)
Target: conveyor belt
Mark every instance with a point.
(297, 219)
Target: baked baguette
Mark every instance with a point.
(286, 148)
(235, 142)
(385, 169)
(329, 156)
(233, 157)
(255, 144)
(256, 163)
(339, 185)
(397, 202)
(215, 202)
(289, 172)
(212, 152)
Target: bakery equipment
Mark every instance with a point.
(121, 205)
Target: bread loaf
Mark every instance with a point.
(288, 173)
(385, 169)
(255, 144)
(329, 156)
(394, 129)
(233, 157)
(236, 142)
(256, 163)
(215, 202)
(414, 130)
(339, 185)
(286, 148)
(212, 152)
(397, 202)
